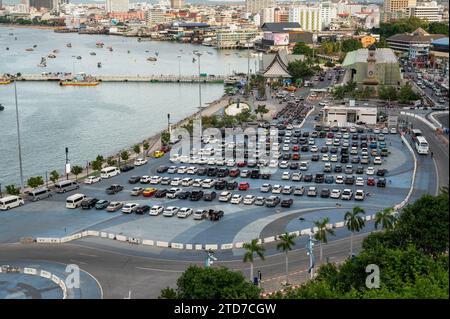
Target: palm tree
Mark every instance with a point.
(285, 244)
(252, 248)
(386, 219)
(322, 233)
(261, 110)
(354, 223)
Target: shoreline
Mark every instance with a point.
(25, 26)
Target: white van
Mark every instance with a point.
(110, 171)
(66, 186)
(9, 202)
(74, 201)
(39, 193)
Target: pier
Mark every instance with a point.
(130, 78)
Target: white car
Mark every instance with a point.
(284, 164)
(312, 191)
(236, 199)
(354, 150)
(140, 161)
(155, 179)
(136, 191)
(225, 196)
(165, 181)
(286, 176)
(339, 179)
(345, 136)
(192, 170)
(325, 158)
(197, 182)
(336, 142)
(202, 161)
(208, 183)
(385, 130)
(173, 192)
(155, 210)
(393, 130)
(370, 170)
(220, 162)
(376, 131)
(187, 181)
(329, 142)
(92, 179)
(335, 193)
(265, 188)
(359, 194)
(176, 181)
(172, 170)
(333, 158)
(353, 129)
(128, 208)
(314, 149)
(297, 177)
(181, 169)
(249, 199)
(175, 158)
(230, 163)
(303, 166)
(145, 179)
(170, 211)
(377, 160)
(347, 194)
(184, 212)
(286, 147)
(273, 164)
(359, 181)
(184, 159)
(276, 189)
(311, 141)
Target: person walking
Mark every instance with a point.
(431, 154)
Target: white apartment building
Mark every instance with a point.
(255, 6)
(328, 12)
(309, 17)
(430, 11)
(267, 15)
(117, 6)
(154, 16)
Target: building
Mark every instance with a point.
(233, 38)
(430, 11)
(328, 13)
(38, 4)
(275, 66)
(373, 67)
(346, 115)
(267, 15)
(309, 17)
(176, 4)
(155, 16)
(255, 6)
(394, 9)
(413, 45)
(117, 6)
(281, 35)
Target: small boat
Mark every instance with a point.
(4, 81)
(99, 65)
(128, 51)
(79, 57)
(93, 53)
(69, 45)
(56, 51)
(1, 107)
(51, 56)
(99, 44)
(147, 51)
(15, 38)
(110, 49)
(193, 60)
(42, 64)
(34, 46)
(7, 49)
(156, 53)
(151, 58)
(29, 49)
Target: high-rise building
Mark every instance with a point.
(255, 6)
(309, 17)
(154, 16)
(176, 4)
(430, 11)
(328, 12)
(267, 15)
(394, 9)
(117, 6)
(38, 4)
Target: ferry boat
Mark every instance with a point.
(152, 59)
(99, 44)
(92, 53)
(69, 45)
(51, 56)
(1, 107)
(99, 65)
(79, 57)
(81, 79)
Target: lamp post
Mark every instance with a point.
(1, 190)
(310, 249)
(18, 134)
(67, 168)
(198, 54)
(179, 67)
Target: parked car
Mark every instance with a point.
(272, 201)
(196, 195)
(381, 182)
(136, 191)
(224, 196)
(236, 199)
(155, 210)
(129, 208)
(160, 193)
(88, 203)
(287, 203)
(134, 179)
(114, 206)
(142, 209)
(312, 191)
(347, 194)
(243, 186)
(335, 193)
(92, 179)
(209, 196)
(149, 192)
(170, 211)
(114, 189)
(101, 204)
(184, 212)
(359, 194)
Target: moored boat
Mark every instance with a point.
(151, 58)
(81, 79)
(69, 45)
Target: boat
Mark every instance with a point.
(193, 60)
(29, 49)
(56, 51)
(128, 51)
(1, 107)
(51, 56)
(110, 49)
(92, 53)
(42, 64)
(34, 46)
(81, 79)
(156, 53)
(99, 44)
(69, 45)
(79, 57)
(99, 65)
(7, 49)
(151, 58)
(4, 81)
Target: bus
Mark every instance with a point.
(421, 145)
(415, 133)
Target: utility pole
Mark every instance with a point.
(179, 67)
(67, 169)
(18, 136)
(199, 82)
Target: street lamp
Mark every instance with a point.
(18, 133)
(179, 67)
(198, 54)
(310, 249)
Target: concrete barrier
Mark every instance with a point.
(103, 234)
(148, 242)
(295, 233)
(339, 224)
(176, 245)
(269, 239)
(368, 217)
(133, 240)
(45, 274)
(329, 226)
(164, 244)
(93, 233)
(305, 231)
(56, 279)
(29, 271)
(238, 245)
(121, 238)
(226, 246)
(84, 233)
(211, 246)
(198, 247)
(111, 236)
(188, 246)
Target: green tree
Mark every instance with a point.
(125, 155)
(351, 45)
(322, 233)
(137, 148)
(286, 243)
(385, 218)
(35, 181)
(212, 283)
(76, 170)
(111, 161)
(302, 48)
(100, 159)
(406, 94)
(96, 165)
(54, 176)
(438, 28)
(251, 249)
(300, 70)
(338, 92)
(165, 137)
(145, 146)
(261, 109)
(12, 190)
(354, 223)
(388, 93)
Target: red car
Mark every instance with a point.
(371, 181)
(295, 156)
(295, 148)
(235, 172)
(242, 164)
(330, 135)
(243, 186)
(165, 149)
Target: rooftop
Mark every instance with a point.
(418, 36)
(280, 27)
(382, 55)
